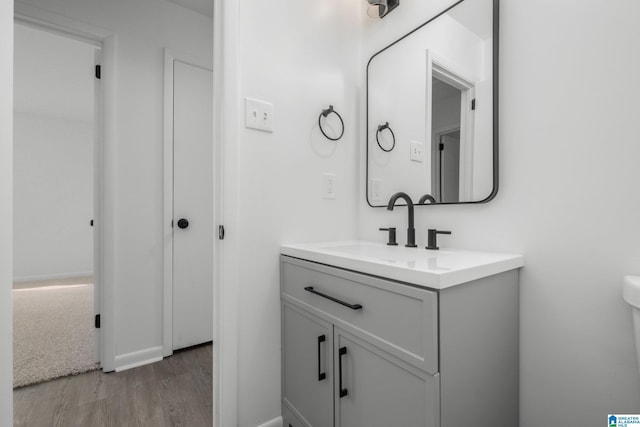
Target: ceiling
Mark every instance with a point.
(53, 75)
(204, 7)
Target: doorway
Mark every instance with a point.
(55, 295)
(452, 135)
(189, 234)
(131, 329)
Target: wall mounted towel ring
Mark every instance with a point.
(380, 129)
(325, 113)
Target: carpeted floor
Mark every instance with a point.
(53, 333)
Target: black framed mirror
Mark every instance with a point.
(432, 110)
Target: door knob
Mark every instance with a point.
(183, 223)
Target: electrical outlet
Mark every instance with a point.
(417, 151)
(328, 186)
(258, 114)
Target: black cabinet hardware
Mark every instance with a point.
(183, 223)
(342, 352)
(392, 236)
(321, 375)
(329, 297)
(432, 236)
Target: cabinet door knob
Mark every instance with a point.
(183, 223)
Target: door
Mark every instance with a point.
(192, 205)
(375, 389)
(449, 167)
(307, 345)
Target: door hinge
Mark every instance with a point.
(473, 104)
(221, 232)
(441, 147)
(96, 322)
(91, 223)
(98, 71)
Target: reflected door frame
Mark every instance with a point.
(438, 68)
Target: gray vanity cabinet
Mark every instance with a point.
(376, 359)
(307, 353)
(381, 389)
(363, 351)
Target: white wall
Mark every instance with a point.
(133, 187)
(568, 200)
(302, 57)
(52, 196)
(6, 208)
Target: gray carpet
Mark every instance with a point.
(53, 333)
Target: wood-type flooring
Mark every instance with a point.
(176, 391)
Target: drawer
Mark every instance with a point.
(398, 318)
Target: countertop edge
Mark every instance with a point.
(418, 278)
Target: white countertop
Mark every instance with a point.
(438, 269)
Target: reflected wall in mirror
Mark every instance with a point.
(432, 109)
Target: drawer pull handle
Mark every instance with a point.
(342, 352)
(321, 375)
(329, 297)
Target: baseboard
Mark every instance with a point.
(41, 277)
(276, 422)
(138, 358)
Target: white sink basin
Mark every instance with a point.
(434, 269)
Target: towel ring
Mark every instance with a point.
(380, 129)
(325, 113)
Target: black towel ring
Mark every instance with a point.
(380, 129)
(325, 113)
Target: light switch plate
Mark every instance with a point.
(328, 186)
(417, 151)
(258, 115)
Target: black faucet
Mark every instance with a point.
(411, 231)
(426, 197)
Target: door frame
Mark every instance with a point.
(441, 69)
(104, 133)
(226, 118)
(226, 121)
(170, 57)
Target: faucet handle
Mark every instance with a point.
(432, 235)
(392, 236)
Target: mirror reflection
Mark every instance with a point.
(430, 110)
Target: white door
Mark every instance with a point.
(450, 168)
(192, 205)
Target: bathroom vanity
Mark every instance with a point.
(380, 336)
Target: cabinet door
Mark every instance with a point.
(307, 374)
(290, 420)
(376, 389)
